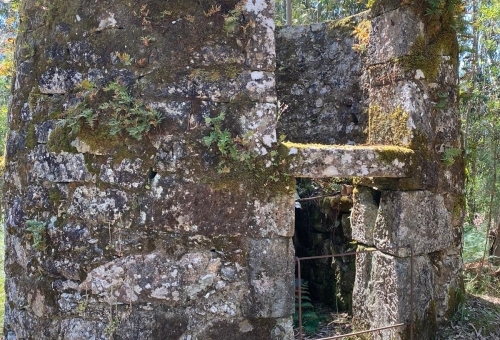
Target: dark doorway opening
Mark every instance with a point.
(322, 227)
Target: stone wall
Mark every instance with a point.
(147, 195)
(320, 83)
(138, 235)
(402, 84)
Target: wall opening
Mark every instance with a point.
(322, 227)
(315, 11)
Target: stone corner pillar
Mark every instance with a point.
(412, 72)
(121, 221)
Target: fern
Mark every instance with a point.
(310, 319)
(37, 230)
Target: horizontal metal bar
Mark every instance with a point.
(348, 254)
(363, 332)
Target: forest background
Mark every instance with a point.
(479, 71)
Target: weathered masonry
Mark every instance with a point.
(148, 194)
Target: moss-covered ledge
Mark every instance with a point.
(316, 160)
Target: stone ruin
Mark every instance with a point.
(148, 194)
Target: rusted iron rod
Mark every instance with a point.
(289, 12)
(370, 250)
(363, 332)
(316, 197)
(300, 297)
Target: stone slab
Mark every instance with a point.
(316, 161)
(271, 274)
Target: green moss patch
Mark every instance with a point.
(440, 18)
(388, 127)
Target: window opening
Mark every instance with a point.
(305, 12)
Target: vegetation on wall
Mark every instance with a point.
(129, 115)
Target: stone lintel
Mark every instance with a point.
(316, 161)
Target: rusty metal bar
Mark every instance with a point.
(412, 314)
(369, 250)
(364, 332)
(289, 12)
(411, 323)
(300, 297)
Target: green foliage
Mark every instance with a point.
(474, 238)
(450, 154)
(38, 231)
(128, 113)
(231, 21)
(76, 116)
(442, 101)
(485, 284)
(234, 149)
(311, 11)
(310, 319)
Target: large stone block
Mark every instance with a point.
(250, 329)
(400, 115)
(320, 83)
(383, 292)
(313, 160)
(364, 214)
(271, 278)
(155, 277)
(415, 218)
(404, 218)
(393, 34)
(58, 167)
(260, 49)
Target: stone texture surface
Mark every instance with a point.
(364, 214)
(382, 292)
(111, 237)
(403, 218)
(393, 34)
(315, 161)
(146, 239)
(320, 84)
(415, 218)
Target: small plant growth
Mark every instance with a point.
(450, 154)
(214, 9)
(124, 58)
(442, 101)
(362, 34)
(239, 155)
(310, 319)
(127, 114)
(232, 20)
(234, 149)
(37, 230)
